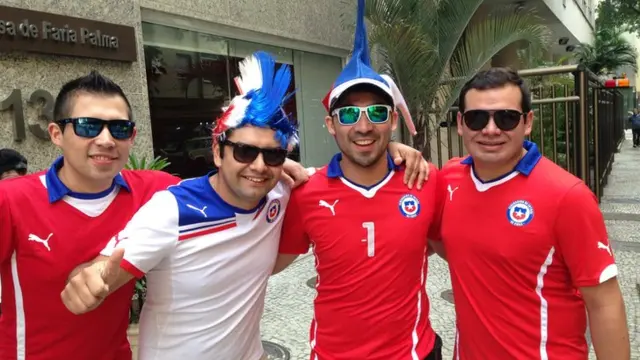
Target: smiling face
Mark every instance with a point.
(363, 144)
(90, 164)
(244, 184)
(491, 148)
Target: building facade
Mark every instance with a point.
(186, 54)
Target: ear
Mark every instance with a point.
(394, 120)
(55, 133)
(328, 121)
(217, 158)
(459, 121)
(528, 123)
(135, 132)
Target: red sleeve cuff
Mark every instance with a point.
(131, 269)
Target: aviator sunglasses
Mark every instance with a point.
(88, 127)
(247, 154)
(505, 120)
(350, 115)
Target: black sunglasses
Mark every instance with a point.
(88, 127)
(247, 154)
(505, 120)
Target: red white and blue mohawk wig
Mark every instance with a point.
(263, 92)
(358, 71)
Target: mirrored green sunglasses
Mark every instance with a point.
(350, 115)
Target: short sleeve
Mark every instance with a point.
(582, 238)
(149, 236)
(440, 190)
(294, 239)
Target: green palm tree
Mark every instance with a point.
(609, 52)
(432, 47)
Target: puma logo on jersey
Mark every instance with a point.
(330, 207)
(119, 238)
(44, 242)
(198, 210)
(451, 191)
(605, 247)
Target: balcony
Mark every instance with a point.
(571, 21)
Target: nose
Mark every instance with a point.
(363, 125)
(491, 128)
(105, 139)
(258, 165)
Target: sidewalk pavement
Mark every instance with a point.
(289, 303)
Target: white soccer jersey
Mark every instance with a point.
(207, 264)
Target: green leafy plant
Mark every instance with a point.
(157, 163)
(609, 52)
(620, 13)
(137, 301)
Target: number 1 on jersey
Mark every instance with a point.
(371, 238)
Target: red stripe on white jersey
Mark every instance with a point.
(207, 231)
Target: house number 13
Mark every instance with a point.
(13, 103)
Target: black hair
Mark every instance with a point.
(12, 160)
(94, 83)
(361, 88)
(495, 78)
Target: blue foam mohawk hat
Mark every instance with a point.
(358, 71)
(263, 93)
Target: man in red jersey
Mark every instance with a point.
(55, 219)
(368, 231)
(51, 220)
(526, 243)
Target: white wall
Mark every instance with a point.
(572, 17)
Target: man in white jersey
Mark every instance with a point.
(208, 245)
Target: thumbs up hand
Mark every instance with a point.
(110, 269)
(89, 286)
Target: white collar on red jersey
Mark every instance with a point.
(57, 190)
(335, 171)
(525, 165)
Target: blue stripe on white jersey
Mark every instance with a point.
(201, 210)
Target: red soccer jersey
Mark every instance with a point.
(44, 235)
(370, 247)
(518, 249)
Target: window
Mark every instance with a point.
(189, 79)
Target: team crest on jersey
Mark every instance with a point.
(409, 206)
(273, 210)
(520, 213)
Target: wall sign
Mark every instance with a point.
(34, 31)
(13, 103)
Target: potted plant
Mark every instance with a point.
(140, 290)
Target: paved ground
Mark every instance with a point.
(289, 309)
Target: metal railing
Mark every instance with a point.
(579, 124)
